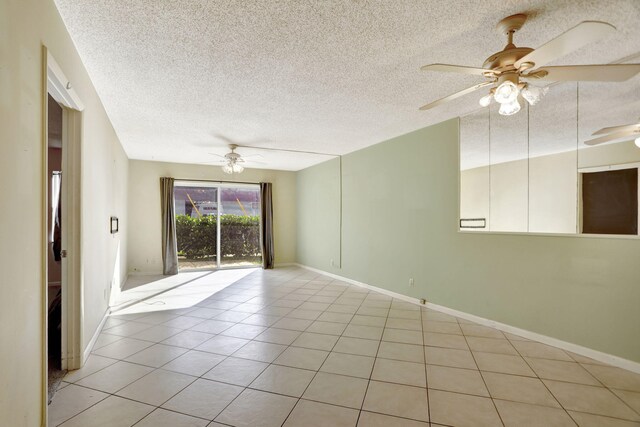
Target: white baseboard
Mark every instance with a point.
(285, 264)
(143, 273)
(574, 348)
(94, 338)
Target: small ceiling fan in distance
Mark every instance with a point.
(232, 161)
(509, 71)
(617, 132)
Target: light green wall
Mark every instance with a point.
(400, 213)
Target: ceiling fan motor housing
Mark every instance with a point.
(503, 61)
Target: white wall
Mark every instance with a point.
(25, 25)
(145, 255)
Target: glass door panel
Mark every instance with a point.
(196, 221)
(240, 226)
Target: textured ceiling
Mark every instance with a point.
(181, 78)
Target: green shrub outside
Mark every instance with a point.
(240, 236)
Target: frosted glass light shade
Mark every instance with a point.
(506, 93)
(509, 109)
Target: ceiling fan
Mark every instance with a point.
(233, 161)
(617, 132)
(506, 69)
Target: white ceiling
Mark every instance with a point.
(180, 78)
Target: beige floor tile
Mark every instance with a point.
(365, 332)
(314, 414)
(402, 336)
(329, 328)
(590, 420)
(348, 364)
(413, 325)
(188, 339)
(441, 327)
(369, 419)
(236, 371)
(456, 380)
(278, 336)
(519, 389)
(341, 308)
(163, 418)
(94, 364)
(156, 355)
(212, 326)
(462, 410)
(255, 408)
(502, 363)
(304, 314)
(115, 377)
(194, 363)
(232, 316)
(292, 324)
(315, 341)
(491, 345)
(516, 414)
(156, 333)
(203, 398)
(304, 358)
(631, 398)
(445, 340)
(335, 317)
(539, 350)
(245, 331)
(205, 313)
(561, 371)
(123, 348)
(512, 337)
(449, 357)
(359, 319)
(337, 390)
(615, 377)
(400, 372)
(70, 401)
(594, 400)
(398, 400)
(113, 412)
(373, 311)
(481, 331)
(358, 346)
(395, 313)
(283, 380)
(400, 351)
(105, 339)
(128, 329)
(222, 345)
(583, 359)
(437, 316)
(157, 387)
(264, 320)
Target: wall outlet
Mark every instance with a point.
(411, 282)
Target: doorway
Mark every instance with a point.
(55, 244)
(217, 225)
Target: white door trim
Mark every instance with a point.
(56, 84)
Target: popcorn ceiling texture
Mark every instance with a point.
(334, 76)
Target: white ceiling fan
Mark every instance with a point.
(232, 162)
(505, 69)
(617, 132)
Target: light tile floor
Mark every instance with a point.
(289, 347)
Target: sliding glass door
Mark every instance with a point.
(217, 225)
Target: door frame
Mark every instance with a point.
(56, 84)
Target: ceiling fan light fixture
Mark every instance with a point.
(237, 168)
(506, 92)
(486, 100)
(228, 169)
(533, 94)
(637, 142)
(509, 108)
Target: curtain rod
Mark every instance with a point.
(217, 180)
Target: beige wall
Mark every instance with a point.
(144, 208)
(25, 25)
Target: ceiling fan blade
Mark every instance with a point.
(456, 69)
(589, 73)
(455, 95)
(610, 137)
(214, 154)
(582, 34)
(623, 128)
